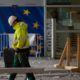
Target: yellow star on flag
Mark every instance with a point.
(36, 25)
(26, 12)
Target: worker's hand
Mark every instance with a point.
(15, 42)
(17, 50)
(14, 45)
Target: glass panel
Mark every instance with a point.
(67, 26)
(66, 18)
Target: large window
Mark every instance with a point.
(67, 25)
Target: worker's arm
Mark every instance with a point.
(14, 41)
(21, 39)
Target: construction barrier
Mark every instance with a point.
(35, 42)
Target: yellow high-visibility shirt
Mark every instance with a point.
(21, 39)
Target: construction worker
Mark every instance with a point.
(21, 46)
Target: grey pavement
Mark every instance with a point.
(46, 63)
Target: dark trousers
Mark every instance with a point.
(8, 56)
(21, 60)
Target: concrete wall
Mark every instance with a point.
(21, 2)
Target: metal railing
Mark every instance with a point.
(6, 42)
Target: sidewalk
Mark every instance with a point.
(46, 63)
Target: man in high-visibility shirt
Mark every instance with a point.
(21, 46)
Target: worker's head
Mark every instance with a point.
(12, 20)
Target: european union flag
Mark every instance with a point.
(32, 15)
